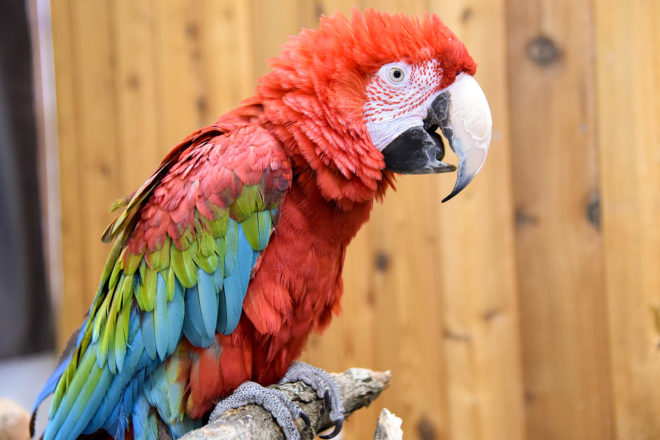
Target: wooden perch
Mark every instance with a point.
(359, 387)
(388, 427)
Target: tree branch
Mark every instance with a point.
(388, 427)
(359, 387)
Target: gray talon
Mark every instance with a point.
(282, 409)
(335, 431)
(326, 388)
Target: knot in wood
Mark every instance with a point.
(593, 210)
(542, 51)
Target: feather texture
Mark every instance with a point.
(198, 293)
(181, 261)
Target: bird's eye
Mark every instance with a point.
(397, 74)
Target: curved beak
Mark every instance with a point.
(468, 127)
(461, 112)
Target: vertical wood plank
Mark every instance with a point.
(482, 343)
(71, 306)
(566, 363)
(274, 22)
(87, 133)
(227, 65)
(96, 114)
(137, 149)
(177, 66)
(628, 84)
(415, 7)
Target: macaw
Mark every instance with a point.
(231, 253)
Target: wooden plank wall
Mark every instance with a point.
(528, 307)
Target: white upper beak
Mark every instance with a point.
(468, 128)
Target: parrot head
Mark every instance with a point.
(368, 96)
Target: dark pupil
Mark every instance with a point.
(397, 74)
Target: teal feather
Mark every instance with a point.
(221, 325)
(110, 360)
(219, 274)
(245, 255)
(92, 403)
(231, 247)
(255, 258)
(176, 310)
(75, 387)
(149, 334)
(162, 388)
(193, 322)
(219, 280)
(78, 417)
(136, 359)
(121, 336)
(235, 284)
(265, 226)
(161, 320)
(179, 429)
(220, 249)
(151, 430)
(140, 417)
(208, 300)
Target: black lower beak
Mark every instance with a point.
(420, 150)
(461, 112)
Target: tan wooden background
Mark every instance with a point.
(528, 307)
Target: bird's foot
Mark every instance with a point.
(282, 409)
(325, 387)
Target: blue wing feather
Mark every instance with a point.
(51, 383)
(108, 388)
(148, 334)
(161, 320)
(94, 400)
(265, 226)
(235, 285)
(176, 311)
(231, 247)
(193, 322)
(208, 300)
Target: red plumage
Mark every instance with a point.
(338, 173)
(303, 145)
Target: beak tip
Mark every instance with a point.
(460, 184)
(454, 192)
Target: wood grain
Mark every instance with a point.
(511, 312)
(477, 266)
(70, 309)
(136, 93)
(87, 130)
(559, 251)
(628, 73)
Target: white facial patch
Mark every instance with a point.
(398, 97)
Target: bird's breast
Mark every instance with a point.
(298, 285)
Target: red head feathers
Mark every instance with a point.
(316, 92)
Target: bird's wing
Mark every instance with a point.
(184, 248)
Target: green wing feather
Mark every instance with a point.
(164, 252)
